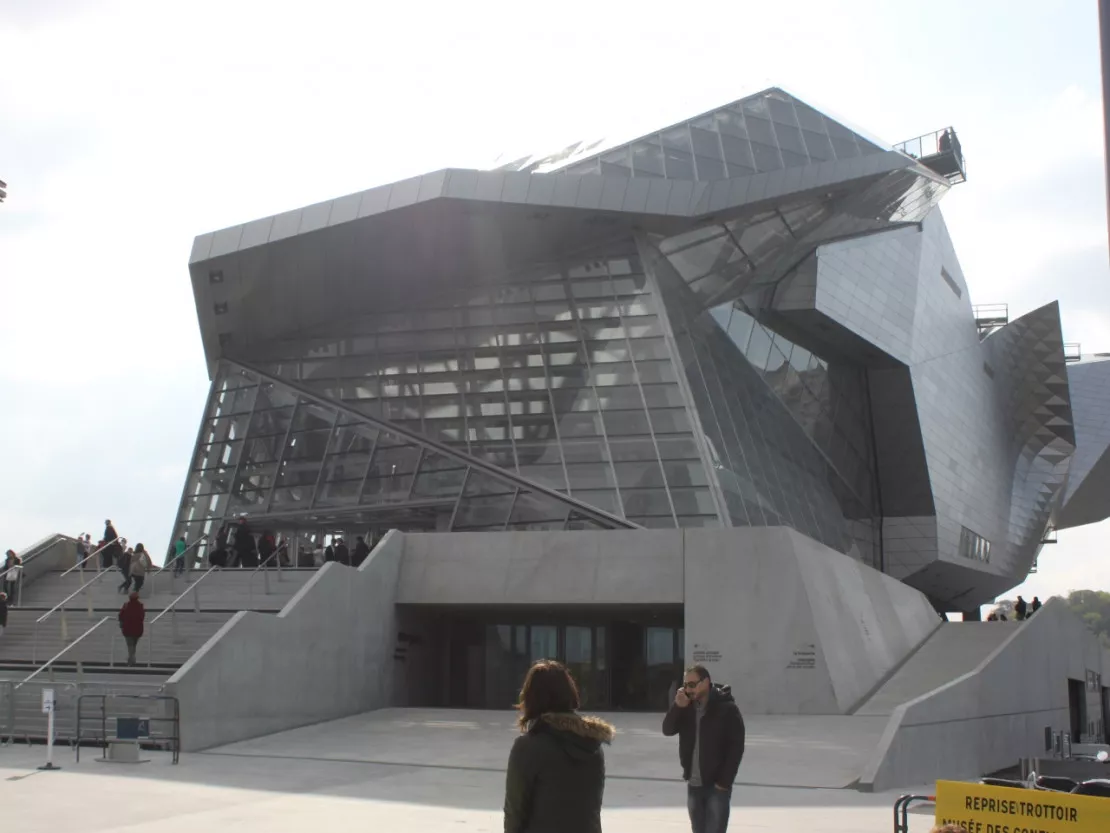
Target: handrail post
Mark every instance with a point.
(266, 580)
(65, 625)
(173, 625)
(196, 598)
(150, 647)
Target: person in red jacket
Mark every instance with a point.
(131, 618)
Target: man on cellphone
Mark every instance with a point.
(710, 733)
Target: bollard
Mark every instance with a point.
(48, 704)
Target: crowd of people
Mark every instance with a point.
(1022, 610)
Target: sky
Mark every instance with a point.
(127, 128)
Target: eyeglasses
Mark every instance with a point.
(690, 685)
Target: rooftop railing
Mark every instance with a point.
(939, 151)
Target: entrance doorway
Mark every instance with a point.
(1077, 709)
(620, 660)
(1105, 714)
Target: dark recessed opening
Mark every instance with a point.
(220, 308)
(216, 276)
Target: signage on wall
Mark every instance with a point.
(703, 654)
(804, 658)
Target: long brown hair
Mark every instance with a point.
(548, 689)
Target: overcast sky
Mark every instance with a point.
(127, 128)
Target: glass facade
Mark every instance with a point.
(562, 376)
(291, 461)
(788, 433)
(768, 131)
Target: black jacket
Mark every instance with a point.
(360, 553)
(722, 737)
(556, 776)
(3, 613)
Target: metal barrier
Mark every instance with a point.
(902, 809)
(173, 740)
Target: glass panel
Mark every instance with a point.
(543, 642)
(647, 159)
(483, 513)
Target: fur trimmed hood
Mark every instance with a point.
(589, 728)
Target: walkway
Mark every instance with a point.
(437, 771)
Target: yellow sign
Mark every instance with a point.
(983, 809)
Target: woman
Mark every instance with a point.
(140, 566)
(556, 776)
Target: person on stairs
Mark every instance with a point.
(125, 569)
(131, 618)
(140, 566)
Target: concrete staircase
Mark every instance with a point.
(223, 590)
(167, 644)
(954, 649)
(96, 663)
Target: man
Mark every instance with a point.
(361, 551)
(342, 553)
(179, 547)
(710, 733)
(113, 548)
(1020, 607)
(131, 618)
(1036, 605)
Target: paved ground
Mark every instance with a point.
(424, 771)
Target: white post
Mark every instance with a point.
(48, 709)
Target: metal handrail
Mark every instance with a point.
(192, 588)
(172, 608)
(80, 564)
(60, 653)
(70, 597)
(266, 573)
(61, 605)
(196, 543)
(36, 550)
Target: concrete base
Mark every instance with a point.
(123, 752)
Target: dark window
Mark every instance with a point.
(948, 279)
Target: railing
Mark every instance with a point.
(1073, 353)
(172, 609)
(80, 565)
(62, 606)
(25, 558)
(50, 662)
(262, 568)
(940, 151)
(174, 719)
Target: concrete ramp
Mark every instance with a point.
(954, 649)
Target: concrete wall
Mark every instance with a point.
(327, 654)
(57, 552)
(794, 626)
(995, 715)
(497, 568)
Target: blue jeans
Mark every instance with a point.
(708, 808)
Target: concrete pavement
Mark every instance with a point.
(429, 770)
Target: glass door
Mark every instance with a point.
(584, 652)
